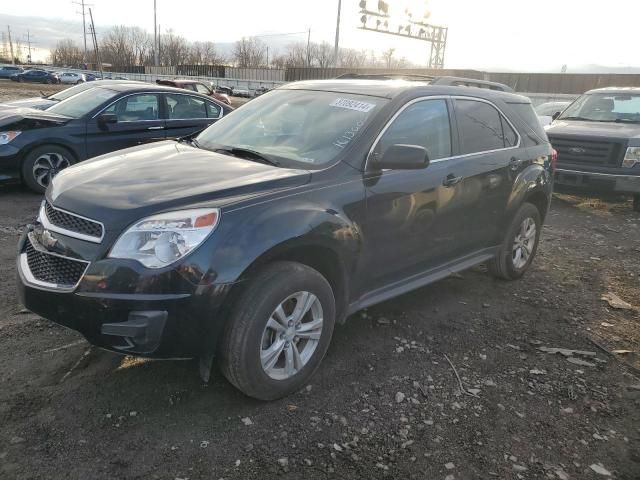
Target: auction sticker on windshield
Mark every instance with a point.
(352, 104)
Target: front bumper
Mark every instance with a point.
(10, 157)
(598, 181)
(160, 315)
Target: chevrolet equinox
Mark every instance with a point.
(251, 240)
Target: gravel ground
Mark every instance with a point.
(449, 382)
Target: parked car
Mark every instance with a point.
(6, 71)
(222, 89)
(35, 145)
(313, 201)
(42, 103)
(90, 77)
(35, 76)
(549, 111)
(598, 142)
(72, 78)
(195, 86)
(241, 92)
(260, 91)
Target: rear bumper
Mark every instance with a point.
(598, 181)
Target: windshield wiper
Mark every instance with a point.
(626, 120)
(248, 154)
(584, 119)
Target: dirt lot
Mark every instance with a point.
(386, 402)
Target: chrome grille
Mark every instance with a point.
(73, 223)
(57, 271)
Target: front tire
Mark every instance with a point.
(42, 164)
(519, 246)
(278, 332)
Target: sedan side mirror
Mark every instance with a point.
(107, 118)
(555, 115)
(404, 157)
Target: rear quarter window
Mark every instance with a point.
(528, 115)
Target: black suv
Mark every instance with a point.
(598, 142)
(251, 240)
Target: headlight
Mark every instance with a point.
(6, 137)
(160, 240)
(632, 157)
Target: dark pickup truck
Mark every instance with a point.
(598, 142)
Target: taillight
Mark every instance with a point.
(554, 160)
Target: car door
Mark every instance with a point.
(187, 114)
(405, 208)
(138, 121)
(34, 76)
(481, 178)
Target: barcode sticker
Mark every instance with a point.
(352, 104)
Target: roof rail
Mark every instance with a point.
(444, 80)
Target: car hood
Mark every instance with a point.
(121, 187)
(609, 130)
(35, 102)
(9, 116)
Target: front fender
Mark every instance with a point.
(244, 237)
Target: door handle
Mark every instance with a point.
(515, 163)
(451, 180)
(159, 127)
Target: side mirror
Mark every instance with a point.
(107, 118)
(555, 115)
(404, 157)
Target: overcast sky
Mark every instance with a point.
(488, 34)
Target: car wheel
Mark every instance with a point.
(278, 332)
(20, 79)
(78, 82)
(636, 203)
(519, 246)
(49, 81)
(42, 164)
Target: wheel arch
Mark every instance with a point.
(44, 143)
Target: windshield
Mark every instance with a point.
(604, 107)
(83, 103)
(70, 92)
(298, 128)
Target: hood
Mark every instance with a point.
(35, 102)
(123, 186)
(606, 130)
(9, 116)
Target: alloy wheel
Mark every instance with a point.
(47, 166)
(291, 335)
(524, 243)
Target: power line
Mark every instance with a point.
(82, 4)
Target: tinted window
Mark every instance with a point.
(510, 137)
(213, 110)
(527, 114)
(185, 106)
(135, 108)
(480, 126)
(424, 123)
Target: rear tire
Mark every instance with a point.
(636, 203)
(519, 245)
(42, 164)
(268, 351)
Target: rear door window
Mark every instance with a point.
(183, 107)
(482, 128)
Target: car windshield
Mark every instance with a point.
(297, 128)
(70, 92)
(605, 107)
(83, 103)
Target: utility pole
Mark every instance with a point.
(156, 42)
(309, 48)
(29, 45)
(95, 44)
(82, 5)
(335, 49)
(13, 59)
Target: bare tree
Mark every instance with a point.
(250, 52)
(66, 52)
(204, 53)
(174, 49)
(387, 57)
(124, 45)
(322, 54)
(351, 58)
